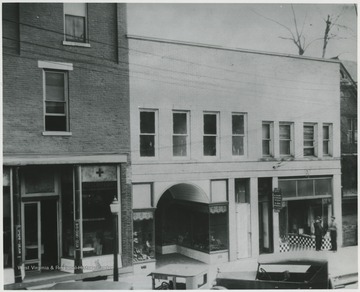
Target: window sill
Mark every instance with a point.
(75, 44)
(56, 133)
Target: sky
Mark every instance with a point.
(249, 26)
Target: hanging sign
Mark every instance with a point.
(77, 234)
(277, 200)
(18, 240)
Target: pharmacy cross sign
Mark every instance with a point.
(100, 172)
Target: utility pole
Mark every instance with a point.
(326, 36)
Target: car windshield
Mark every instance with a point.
(280, 268)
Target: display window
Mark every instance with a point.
(7, 222)
(143, 236)
(97, 223)
(67, 201)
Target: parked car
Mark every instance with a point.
(279, 271)
(344, 281)
(180, 277)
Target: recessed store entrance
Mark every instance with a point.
(40, 235)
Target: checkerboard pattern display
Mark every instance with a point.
(292, 242)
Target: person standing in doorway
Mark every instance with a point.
(333, 233)
(318, 233)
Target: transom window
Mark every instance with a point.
(285, 139)
(56, 101)
(309, 140)
(238, 134)
(210, 139)
(147, 133)
(180, 134)
(267, 149)
(75, 22)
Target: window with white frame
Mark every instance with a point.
(147, 133)
(210, 138)
(327, 140)
(267, 138)
(309, 140)
(285, 139)
(56, 101)
(352, 131)
(75, 22)
(180, 133)
(238, 134)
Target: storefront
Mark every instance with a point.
(304, 199)
(58, 218)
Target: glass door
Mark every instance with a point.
(31, 236)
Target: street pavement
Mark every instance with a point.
(344, 261)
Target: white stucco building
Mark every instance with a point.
(214, 133)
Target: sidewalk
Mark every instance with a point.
(344, 261)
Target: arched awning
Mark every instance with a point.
(188, 192)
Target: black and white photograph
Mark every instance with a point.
(179, 145)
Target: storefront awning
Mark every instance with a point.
(188, 192)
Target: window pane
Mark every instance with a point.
(285, 147)
(305, 188)
(326, 133)
(325, 147)
(179, 146)
(144, 240)
(288, 188)
(218, 231)
(266, 131)
(75, 28)
(209, 146)
(55, 123)
(238, 145)
(55, 107)
(147, 145)
(210, 124)
(147, 122)
(284, 131)
(266, 147)
(308, 133)
(323, 187)
(309, 143)
(180, 123)
(238, 124)
(309, 152)
(55, 86)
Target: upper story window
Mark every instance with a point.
(267, 138)
(309, 140)
(285, 139)
(210, 134)
(147, 133)
(180, 134)
(75, 22)
(238, 134)
(352, 131)
(56, 101)
(326, 139)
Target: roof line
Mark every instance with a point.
(202, 45)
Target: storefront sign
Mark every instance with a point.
(77, 234)
(277, 200)
(18, 240)
(98, 173)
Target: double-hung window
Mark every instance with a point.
(147, 133)
(309, 140)
(56, 101)
(210, 138)
(267, 134)
(352, 131)
(180, 134)
(238, 134)
(75, 22)
(285, 139)
(326, 140)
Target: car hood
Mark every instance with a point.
(237, 275)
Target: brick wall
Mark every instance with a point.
(98, 85)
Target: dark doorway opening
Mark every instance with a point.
(49, 234)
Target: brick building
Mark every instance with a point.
(349, 177)
(66, 139)
(234, 152)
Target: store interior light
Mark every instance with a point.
(115, 206)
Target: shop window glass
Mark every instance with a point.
(218, 228)
(323, 187)
(210, 134)
(7, 228)
(305, 188)
(143, 237)
(67, 214)
(97, 218)
(40, 181)
(288, 188)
